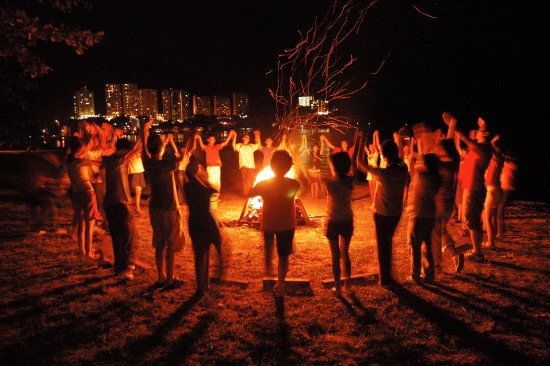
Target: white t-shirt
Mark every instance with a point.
(246, 155)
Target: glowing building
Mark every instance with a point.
(113, 100)
(241, 106)
(130, 99)
(175, 105)
(222, 106)
(148, 102)
(83, 101)
(202, 105)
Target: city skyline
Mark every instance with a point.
(175, 104)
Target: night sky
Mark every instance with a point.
(477, 57)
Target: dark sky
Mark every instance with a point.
(478, 57)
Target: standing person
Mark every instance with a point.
(246, 160)
(339, 224)
(203, 227)
(314, 170)
(267, 151)
(117, 205)
(448, 161)
(372, 161)
(164, 207)
(473, 184)
(214, 163)
(508, 183)
(421, 208)
(494, 193)
(137, 179)
(82, 195)
(278, 215)
(388, 204)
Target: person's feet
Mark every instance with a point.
(475, 257)
(487, 245)
(175, 283)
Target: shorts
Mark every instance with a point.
(167, 229)
(137, 180)
(284, 241)
(84, 205)
(494, 197)
(314, 176)
(334, 229)
(472, 207)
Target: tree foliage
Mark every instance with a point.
(26, 26)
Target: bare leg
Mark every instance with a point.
(80, 237)
(137, 191)
(490, 227)
(336, 271)
(475, 237)
(346, 262)
(169, 267)
(89, 226)
(282, 271)
(159, 259)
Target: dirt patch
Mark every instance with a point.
(58, 309)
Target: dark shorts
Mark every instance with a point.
(284, 240)
(84, 205)
(334, 229)
(472, 208)
(137, 180)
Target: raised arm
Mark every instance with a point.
(257, 138)
(376, 141)
(198, 138)
(325, 141)
(170, 139)
(450, 121)
(232, 135)
(495, 146)
(145, 136)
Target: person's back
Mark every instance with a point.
(424, 187)
(278, 214)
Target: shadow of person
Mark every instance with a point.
(280, 306)
(495, 351)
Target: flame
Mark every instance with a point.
(267, 173)
(256, 203)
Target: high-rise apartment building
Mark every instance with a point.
(148, 102)
(175, 105)
(113, 100)
(83, 102)
(222, 106)
(130, 99)
(241, 105)
(202, 105)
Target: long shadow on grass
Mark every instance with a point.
(496, 352)
(506, 316)
(511, 292)
(274, 345)
(34, 301)
(519, 268)
(144, 344)
(181, 349)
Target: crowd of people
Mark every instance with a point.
(428, 176)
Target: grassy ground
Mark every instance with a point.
(57, 308)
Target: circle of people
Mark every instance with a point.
(431, 176)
